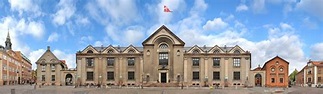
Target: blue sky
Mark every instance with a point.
(291, 29)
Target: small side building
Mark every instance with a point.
(311, 74)
(274, 73)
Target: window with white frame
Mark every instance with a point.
(196, 61)
(236, 62)
(52, 67)
(131, 61)
(110, 61)
(43, 67)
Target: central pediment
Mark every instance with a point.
(163, 32)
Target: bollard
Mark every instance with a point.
(13, 91)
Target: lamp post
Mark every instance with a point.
(142, 81)
(205, 81)
(100, 78)
(75, 85)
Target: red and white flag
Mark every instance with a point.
(166, 9)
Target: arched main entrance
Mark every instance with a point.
(258, 80)
(68, 79)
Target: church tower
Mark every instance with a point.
(8, 42)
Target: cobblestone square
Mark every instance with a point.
(29, 89)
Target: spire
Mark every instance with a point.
(8, 42)
(8, 36)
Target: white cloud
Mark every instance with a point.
(29, 6)
(69, 58)
(98, 43)
(133, 34)
(53, 37)
(258, 6)
(309, 23)
(33, 56)
(66, 9)
(242, 7)
(313, 7)
(216, 24)
(37, 29)
(82, 20)
(85, 40)
(316, 51)
(117, 11)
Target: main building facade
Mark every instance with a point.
(163, 61)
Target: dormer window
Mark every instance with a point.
(196, 51)
(216, 52)
(131, 51)
(110, 51)
(236, 52)
(89, 51)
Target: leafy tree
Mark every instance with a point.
(292, 76)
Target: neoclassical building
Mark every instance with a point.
(163, 60)
(311, 74)
(53, 71)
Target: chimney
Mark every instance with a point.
(48, 48)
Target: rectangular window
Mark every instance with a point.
(89, 62)
(110, 61)
(281, 80)
(272, 80)
(216, 75)
(131, 75)
(319, 71)
(319, 79)
(196, 61)
(236, 75)
(216, 62)
(52, 67)
(196, 75)
(236, 62)
(163, 58)
(53, 77)
(43, 67)
(309, 80)
(42, 77)
(131, 61)
(89, 76)
(110, 75)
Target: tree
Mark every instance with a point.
(292, 76)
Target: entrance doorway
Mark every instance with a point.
(68, 79)
(258, 80)
(163, 77)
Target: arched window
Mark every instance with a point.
(196, 51)
(163, 46)
(89, 51)
(236, 52)
(131, 51)
(110, 51)
(216, 52)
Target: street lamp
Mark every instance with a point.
(205, 81)
(100, 81)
